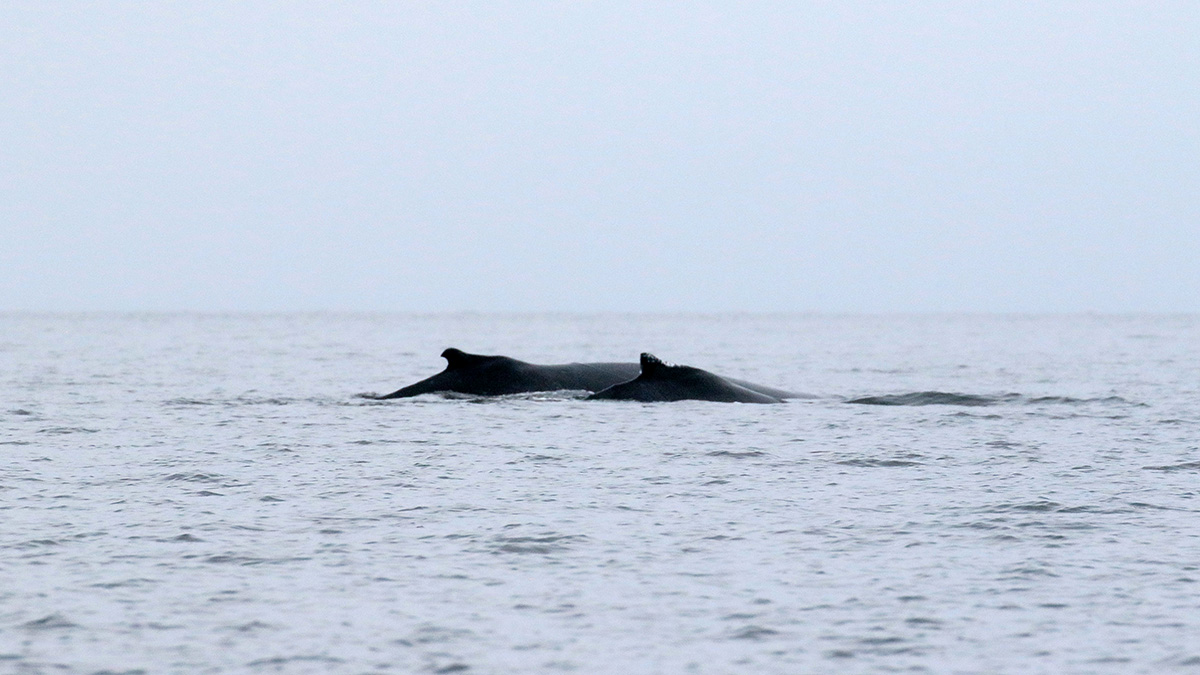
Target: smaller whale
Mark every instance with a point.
(661, 381)
(483, 375)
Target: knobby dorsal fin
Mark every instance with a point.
(651, 363)
(457, 358)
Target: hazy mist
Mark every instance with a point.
(600, 156)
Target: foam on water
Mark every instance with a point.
(207, 494)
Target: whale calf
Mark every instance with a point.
(498, 375)
(660, 381)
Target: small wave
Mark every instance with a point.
(182, 402)
(1031, 570)
(1156, 507)
(50, 622)
(1048, 506)
(250, 627)
(246, 400)
(67, 430)
(929, 398)
(195, 477)
(267, 400)
(1071, 400)
(536, 458)
(435, 635)
(279, 661)
(368, 398)
(548, 543)
(878, 462)
(1186, 466)
(975, 400)
(737, 455)
(753, 632)
(124, 583)
(36, 543)
(250, 561)
(1037, 506)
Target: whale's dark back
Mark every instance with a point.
(659, 381)
(487, 375)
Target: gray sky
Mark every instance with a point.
(594, 156)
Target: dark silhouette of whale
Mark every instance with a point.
(482, 375)
(498, 375)
(660, 381)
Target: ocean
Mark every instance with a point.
(204, 493)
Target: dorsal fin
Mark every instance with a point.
(457, 358)
(651, 363)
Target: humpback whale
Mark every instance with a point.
(660, 381)
(497, 375)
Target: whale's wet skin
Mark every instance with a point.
(484, 375)
(210, 494)
(649, 380)
(662, 382)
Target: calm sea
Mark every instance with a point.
(209, 494)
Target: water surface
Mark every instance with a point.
(208, 494)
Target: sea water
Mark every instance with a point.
(210, 494)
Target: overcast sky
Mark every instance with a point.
(600, 156)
